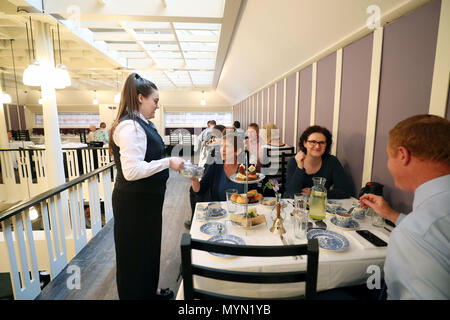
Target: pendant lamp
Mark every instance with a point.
(95, 101)
(4, 97)
(203, 101)
(32, 74)
(61, 73)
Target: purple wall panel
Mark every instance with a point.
(5, 111)
(326, 79)
(290, 109)
(448, 105)
(13, 117)
(279, 105)
(409, 47)
(271, 104)
(356, 66)
(260, 108)
(304, 101)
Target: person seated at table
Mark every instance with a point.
(216, 178)
(418, 253)
(10, 136)
(252, 145)
(101, 135)
(314, 160)
(91, 135)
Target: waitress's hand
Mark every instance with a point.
(195, 184)
(176, 163)
(300, 159)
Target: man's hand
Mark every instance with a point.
(379, 205)
(300, 159)
(176, 163)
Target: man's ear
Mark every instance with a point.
(404, 154)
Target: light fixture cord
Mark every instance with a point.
(59, 44)
(32, 42)
(14, 68)
(28, 43)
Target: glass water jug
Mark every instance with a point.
(318, 199)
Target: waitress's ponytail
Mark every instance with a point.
(129, 102)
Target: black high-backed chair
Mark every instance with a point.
(311, 250)
(285, 155)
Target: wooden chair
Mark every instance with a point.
(311, 250)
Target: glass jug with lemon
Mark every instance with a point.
(318, 199)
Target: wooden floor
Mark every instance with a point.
(97, 260)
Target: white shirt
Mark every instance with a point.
(418, 256)
(130, 137)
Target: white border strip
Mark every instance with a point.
(313, 93)
(441, 72)
(297, 80)
(375, 73)
(284, 110)
(337, 100)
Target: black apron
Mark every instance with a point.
(137, 207)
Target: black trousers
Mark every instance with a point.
(137, 237)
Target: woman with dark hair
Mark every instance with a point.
(314, 160)
(138, 196)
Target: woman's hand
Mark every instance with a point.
(300, 159)
(379, 205)
(306, 191)
(195, 184)
(176, 163)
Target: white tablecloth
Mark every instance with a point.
(335, 269)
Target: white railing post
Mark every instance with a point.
(94, 205)
(77, 215)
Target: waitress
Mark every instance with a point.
(138, 196)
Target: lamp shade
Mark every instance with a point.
(117, 98)
(32, 74)
(95, 101)
(203, 102)
(62, 77)
(5, 98)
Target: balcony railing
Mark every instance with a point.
(25, 251)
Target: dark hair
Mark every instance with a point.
(212, 122)
(237, 124)
(318, 129)
(102, 125)
(129, 102)
(220, 128)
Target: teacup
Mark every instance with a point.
(214, 209)
(358, 212)
(190, 171)
(343, 219)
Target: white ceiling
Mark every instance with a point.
(273, 38)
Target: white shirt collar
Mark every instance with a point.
(429, 189)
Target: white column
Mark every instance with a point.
(3, 131)
(54, 156)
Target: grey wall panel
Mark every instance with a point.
(409, 47)
(23, 124)
(326, 80)
(279, 105)
(304, 100)
(271, 104)
(290, 109)
(356, 66)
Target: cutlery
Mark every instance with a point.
(389, 230)
(350, 211)
(285, 243)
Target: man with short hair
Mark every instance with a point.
(418, 256)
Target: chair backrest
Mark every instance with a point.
(284, 155)
(82, 137)
(23, 135)
(174, 139)
(189, 270)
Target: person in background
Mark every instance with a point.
(138, 195)
(91, 135)
(314, 160)
(10, 136)
(237, 127)
(418, 255)
(205, 135)
(101, 135)
(271, 150)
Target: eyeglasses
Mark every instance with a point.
(313, 143)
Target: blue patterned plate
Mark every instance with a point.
(212, 228)
(214, 213)
(352, 226)
(226, 238)
(329, 240)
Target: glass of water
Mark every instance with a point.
(300, 220)
(230, 205)
(377, 220)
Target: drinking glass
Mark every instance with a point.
(232, 207)
(377, 220)
(300, 219)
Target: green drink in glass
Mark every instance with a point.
(318, 199)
